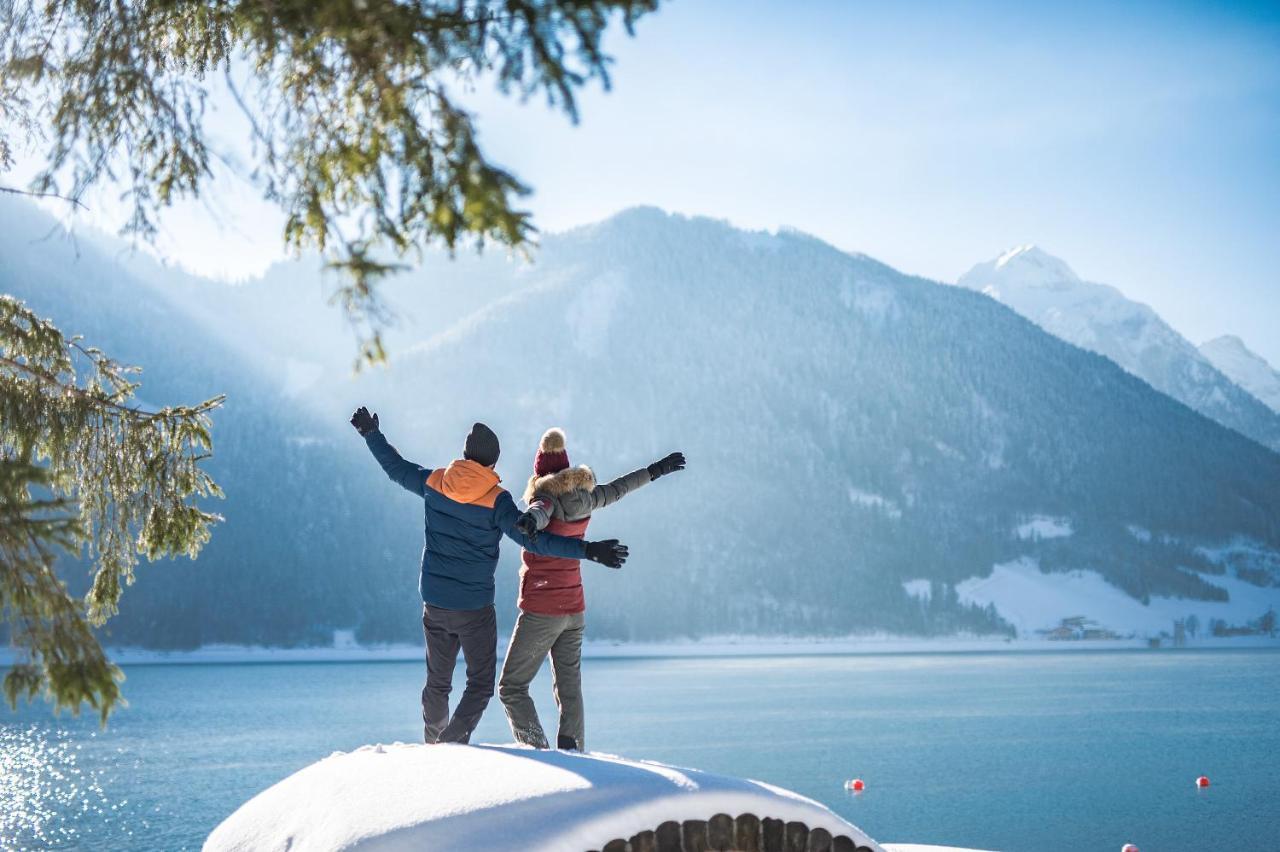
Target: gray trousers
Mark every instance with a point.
(475, 632)
(536, 636)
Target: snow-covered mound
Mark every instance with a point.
(454, 797)
(916, 847)
(1100, 318)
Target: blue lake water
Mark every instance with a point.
(1040, 752)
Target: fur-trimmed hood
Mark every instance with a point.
(571, 479)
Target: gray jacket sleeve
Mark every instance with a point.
(612, 492)
(541, 509)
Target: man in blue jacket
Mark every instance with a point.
(467, 513)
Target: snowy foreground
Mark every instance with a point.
(453, 797)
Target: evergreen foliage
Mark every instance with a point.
(81, 467)
(357, 136)
(358, 139)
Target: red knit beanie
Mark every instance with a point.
(552, 457)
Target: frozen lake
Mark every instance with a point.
(1010, 751)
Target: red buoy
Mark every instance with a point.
(1202, 781)
(856, 785)
(1128, 847)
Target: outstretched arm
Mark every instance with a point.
(406, 474)
(612, 492)
(535, 519)
(609, 552)
(547, 544)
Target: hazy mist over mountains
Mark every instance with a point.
(860, 441)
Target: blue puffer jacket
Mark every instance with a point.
(467, 513)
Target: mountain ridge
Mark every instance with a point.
(635, 246)
(1100, 318)
(855, 436)
(1245, 367)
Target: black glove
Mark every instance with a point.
(607, 552)
(670, 464)
(528, 525)
(364, 421)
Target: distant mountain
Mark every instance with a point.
(309, 545)
(1244, 367)
(868, 451)
(1101, 319)
(860, 441)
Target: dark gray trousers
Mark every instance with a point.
(475, 632)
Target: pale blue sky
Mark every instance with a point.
(1139, 143)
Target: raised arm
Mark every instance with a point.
(408, 475)
(612, 492)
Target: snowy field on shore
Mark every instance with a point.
(1031, 599)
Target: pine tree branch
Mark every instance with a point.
(11, 190)
(138, 414)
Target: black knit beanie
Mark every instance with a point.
(481, 445)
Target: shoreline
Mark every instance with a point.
(728, 646)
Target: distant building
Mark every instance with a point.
(1077, 627)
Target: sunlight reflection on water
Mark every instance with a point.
(42, 783)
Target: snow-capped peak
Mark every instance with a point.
(1022, 267)
(1217, 380)
(1229, 343)
(1245, 367)
(1012, 253)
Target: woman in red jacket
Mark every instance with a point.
(561, 499)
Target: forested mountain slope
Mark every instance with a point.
(860, 441)
(848, 428)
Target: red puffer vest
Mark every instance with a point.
(552, 585)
